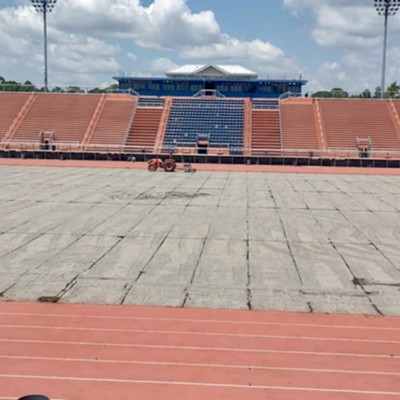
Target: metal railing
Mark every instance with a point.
(74, 147)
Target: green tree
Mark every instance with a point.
(96, 90)
(339, 92)
(393, 90)
(377, 93)
(322, 93)
(112, 87)
(57, 89)
(366, 94)
(74, 89)
(28, 86)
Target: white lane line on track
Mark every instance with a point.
(200, 384)
(199, 348)
(199, 365)
(188, 333)
(211, 321)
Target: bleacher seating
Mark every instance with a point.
(114, 120)
(216, 125)
(221, 119)
(299, 131)
(265, 127)
(10, 106)
(67, 115)
(345, 120)
(146, 123)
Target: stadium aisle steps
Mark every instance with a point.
(114, 121)
(144, 129)
(266, 131)
(299, 130)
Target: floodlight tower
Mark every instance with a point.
(386, 8)
(44, 7)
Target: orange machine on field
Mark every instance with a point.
(168, 165)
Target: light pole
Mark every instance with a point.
(44, 7)
(385, 8)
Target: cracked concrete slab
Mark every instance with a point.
(272, 267)
(97, 291)
(217, 297)
(156, 295)
(369, 264)
(270, 230)
(309, 243)
(321, 268)
(340, 303)
(126, 259)
(223, 263)
(279, 300)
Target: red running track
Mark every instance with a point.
(204, 167)
(106, 352)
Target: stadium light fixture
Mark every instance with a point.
(386, 8)
(44, 7)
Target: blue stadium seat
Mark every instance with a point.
(221, 120)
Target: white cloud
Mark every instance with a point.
(263, 57)
(353, 31)
(160, 65)
(233, 49)
(83, 33)
(73, 58)
(165, 24)
(342, 23)
(132, 57)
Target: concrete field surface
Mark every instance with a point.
(320, 243)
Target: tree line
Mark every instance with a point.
(391, 92)
(28, 86)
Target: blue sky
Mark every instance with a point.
(332, 43)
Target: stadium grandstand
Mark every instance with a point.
(203, 114)
(272, 273)
(225, 80)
